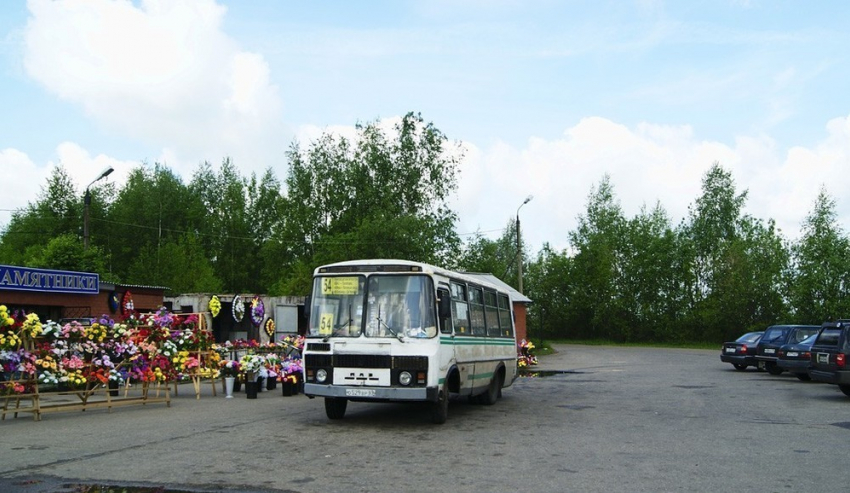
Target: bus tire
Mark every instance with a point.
(335, 407)
(489, 397)
(440, 408)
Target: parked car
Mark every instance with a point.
(742, 351)
(829, 355)
(796, 358)
(774, 338)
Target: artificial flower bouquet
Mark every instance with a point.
(252, 363)
(230, 367)
(526, 357)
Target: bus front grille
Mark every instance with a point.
(361, 361)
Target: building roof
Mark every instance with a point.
(516, 296)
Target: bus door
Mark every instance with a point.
(461, 337)
(446, 353)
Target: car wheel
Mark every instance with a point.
(739, 367)
(803, 377)
(335, 407)
(773, 369)
(845, 389)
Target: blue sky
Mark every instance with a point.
(544, 96)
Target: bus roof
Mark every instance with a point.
(479, 279)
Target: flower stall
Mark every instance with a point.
(42, 361)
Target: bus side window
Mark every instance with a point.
(476, 311)
(460, 312)
(444, 310)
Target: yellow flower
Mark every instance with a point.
(32, 325)
(215, 306)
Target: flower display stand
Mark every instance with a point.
(94, 397)
(206, 359)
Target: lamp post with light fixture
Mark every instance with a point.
(87, 204)
(519, 245)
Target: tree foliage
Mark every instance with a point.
(384, 193)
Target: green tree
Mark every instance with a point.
(379, 196)
(549, 278)
(152, 210)
(595, 309)
(821, 266)
(66, 252)
(181, 266)
(497, 257)
(711, 236)
(651, 281)
(41, 234)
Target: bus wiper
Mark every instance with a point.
(347, 324)
(390, 329)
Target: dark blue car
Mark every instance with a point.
(742, 351)
(777, 336)
(796, 358)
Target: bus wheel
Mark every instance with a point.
(489, 397)
(440, 409)
(335, 408)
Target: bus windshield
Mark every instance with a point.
(395, 306)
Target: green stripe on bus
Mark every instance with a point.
(477, 341)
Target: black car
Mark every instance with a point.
(774, 338)
(742, 351)
(829, 355)
(796, 358)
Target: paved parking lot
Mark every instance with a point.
(619, 419)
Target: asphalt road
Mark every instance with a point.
(619, 419)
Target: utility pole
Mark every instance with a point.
(519, 245)
(87, 204)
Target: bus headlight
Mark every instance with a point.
(405, 378)
(321, 375)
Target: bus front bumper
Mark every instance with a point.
(371, 393)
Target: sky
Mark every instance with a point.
(545, 97)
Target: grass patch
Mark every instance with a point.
(545, 344)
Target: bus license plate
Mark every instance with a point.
(360, 392)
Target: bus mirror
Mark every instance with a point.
(445, 307)
(307, 304)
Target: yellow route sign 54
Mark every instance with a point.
(340, 285)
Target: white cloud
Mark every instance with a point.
(82, 167)
(25, 179)
(20, 180)
(647, 164)
(163, 73)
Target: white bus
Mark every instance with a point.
(395, 330)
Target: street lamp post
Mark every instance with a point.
(519, 245)
(87, 203)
